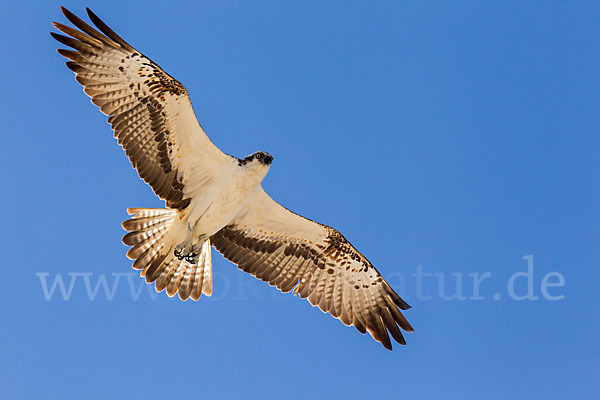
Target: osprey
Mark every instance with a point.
(215, 199)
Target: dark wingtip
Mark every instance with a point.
(90, 13)
(398, 337)
(96, 20)
(73, 66)
(57, 36)
(107, 30)
(397, 299)
(66, 12)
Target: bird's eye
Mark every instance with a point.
(258, 156)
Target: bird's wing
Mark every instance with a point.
(291, 252)
(149, 111)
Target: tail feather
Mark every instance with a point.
(155, 270)
(185, 288)
(167, 273)
(198, 278)
(141, 232)
(205, 276)
(153, 252)
(173, 285)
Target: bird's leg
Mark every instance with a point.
(183, 249)
(194, 254)
(188, 250)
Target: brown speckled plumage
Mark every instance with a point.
(159, 82)
(152, 118)
(136, 111)
(271, 243)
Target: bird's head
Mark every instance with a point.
(258, 162)
(260, 157)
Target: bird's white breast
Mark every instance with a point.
(216, 204)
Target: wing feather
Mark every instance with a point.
(149, 111)
(291, 252)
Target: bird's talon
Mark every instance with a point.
(192, 258)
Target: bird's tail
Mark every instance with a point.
(151, 237)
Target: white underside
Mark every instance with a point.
(216, 204)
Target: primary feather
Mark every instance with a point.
(214, 198)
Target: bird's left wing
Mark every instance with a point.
(291, 252)
(149, 111)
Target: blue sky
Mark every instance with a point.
(443, 138)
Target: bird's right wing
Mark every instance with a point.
(149, 111)
(290, 251)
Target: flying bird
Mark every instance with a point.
(213, 198)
